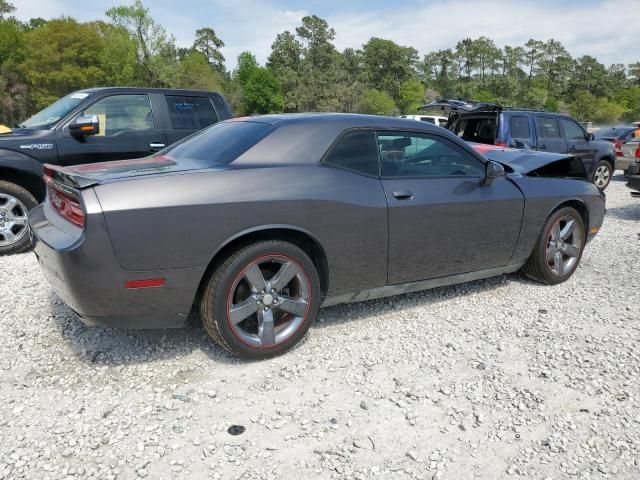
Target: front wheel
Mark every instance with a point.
(559, 248)
(261, 300)
(602, 174)
(15, 203)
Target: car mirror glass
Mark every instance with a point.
(493, 170)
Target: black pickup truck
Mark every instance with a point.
(94, 125)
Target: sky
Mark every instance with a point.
(606, 29)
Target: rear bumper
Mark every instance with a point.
(633, 182)
(623, 163)
(634, 168)
(84, 272)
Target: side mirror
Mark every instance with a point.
(590, 137)
(493, 170)
(83, 126)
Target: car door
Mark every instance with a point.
(442, 219)
(578, 143)
(519, 134)
(548, 138)
(188, 114)
(127, 130)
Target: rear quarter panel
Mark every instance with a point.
(182, 220)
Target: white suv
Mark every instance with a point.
(440, 121)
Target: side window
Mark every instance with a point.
(571, 130)
(190, 113)
(520, 127)
(355, 151)
(122, 113)
(428, 119)
(423, 155)
(547, 127)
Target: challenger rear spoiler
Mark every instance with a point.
(67, 177)
(90, 174)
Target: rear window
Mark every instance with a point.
(520, 127)
(476, 129)
(221, 143)
(190, 113)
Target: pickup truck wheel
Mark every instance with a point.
(15, 203)
(602, 174)
(261, 300)
(559, 248)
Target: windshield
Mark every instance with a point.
(49, 116)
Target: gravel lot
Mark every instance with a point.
(499, 378)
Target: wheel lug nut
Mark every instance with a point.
(273, 290)
(266, 309)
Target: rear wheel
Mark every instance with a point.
(261, 300)
(602, 174)
(15, 203)
(559, 248)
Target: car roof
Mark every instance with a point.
(146, 90)
(305, 137)
(614, 130)
(343, 120)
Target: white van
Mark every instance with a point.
(440, 121)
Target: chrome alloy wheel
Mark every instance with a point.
(13, 220)
(564, 246)
(268, 301)
(602, 176)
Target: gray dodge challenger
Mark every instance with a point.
(255, 223)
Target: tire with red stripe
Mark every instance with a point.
(261, 300)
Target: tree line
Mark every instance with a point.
(42, 60)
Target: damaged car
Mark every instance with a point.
(493, 124)
(255, 223)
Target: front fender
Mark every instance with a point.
(20, 162)
(543, 196)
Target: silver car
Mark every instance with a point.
(630, 160)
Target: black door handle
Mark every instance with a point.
(403, 195)
(572, 149)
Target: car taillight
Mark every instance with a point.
(637, 155)
(618, 148)
(501, 144)
(66, 203)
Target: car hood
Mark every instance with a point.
(519, 160)
(26, 139)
